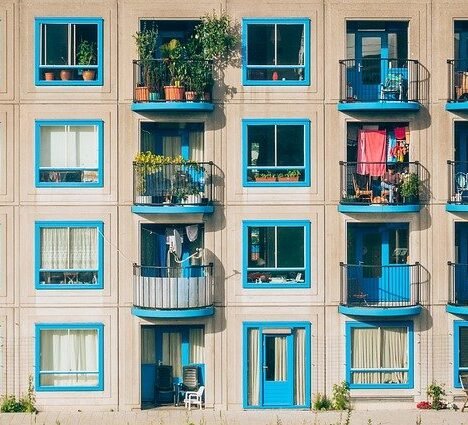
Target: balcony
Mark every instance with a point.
(458, 186)
(384, 291)
(380, 187)
(152, 90)
(172, 292)
(458, 288)
(380, 85)
(183, 188)
(457, 99)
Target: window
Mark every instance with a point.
(69, 51)
(69, 357)
(379, 355)
(276, 360)
(69, 153)
(460, 351)
(69, 255)
(276, 254)
(276, 51)
(276, 152)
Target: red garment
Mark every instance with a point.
(400, 133)
(371, 155)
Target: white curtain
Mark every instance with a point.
(197, 346)
(196, 146)
(54, 248)
(253, 367)
(83, 248)
(280, 358)
(299, 363)
(69, 146)
(171, 146)
(69, 350)
(148, 346)
(171, 349)
(375, 348)
(146, 141)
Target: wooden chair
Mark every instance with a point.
(464, 384)
(362, 193)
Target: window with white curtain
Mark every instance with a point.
(69, 357)
(69, 255)
(69, 154)
(460, 351)
(380, 355)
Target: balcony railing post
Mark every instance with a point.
(418, 286)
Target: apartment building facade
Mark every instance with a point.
(314, 231)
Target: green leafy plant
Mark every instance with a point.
(146, 42)
(436, 392)
(322, 402)
(26, 403)
(173, 56)
(86, 54)
(410, 185)
(341, 396)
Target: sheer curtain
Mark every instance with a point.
(171, 145)
(69, 350)
(299, 360)
(171, 351)
(394, 353)
(253, 367)
(280, 358)
(197, 346)
(54, 248)
(148, 346)
(196, 146)
(83, 248)
(365, 354)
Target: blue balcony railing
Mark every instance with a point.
(458, 284)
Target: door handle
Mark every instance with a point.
(265, 367)
(359, 67)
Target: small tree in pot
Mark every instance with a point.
(86, 55)
(173, 54)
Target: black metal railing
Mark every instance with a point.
(188, 183)
(172, 288)
(380, 80)
(458, 283)
(457, 80)
(458, 182)
(160, 80)
(395, 285)
(392, 183)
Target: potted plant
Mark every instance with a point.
(409, 188)
(290, 176)
(172, 53)
(49, 75)
(266, 177)
(65, 74)
(86, 55)
(146, 41)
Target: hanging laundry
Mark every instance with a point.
(400, 133)
(391, 145)
(372, 153)
(192, 232)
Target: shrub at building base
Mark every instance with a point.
(26, 403)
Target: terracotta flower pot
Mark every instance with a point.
(265, 179)
(174, 93)
(288, 179)
(89, 74)
(49, 76)
(141, 94)
(190, 96)
(66, 74)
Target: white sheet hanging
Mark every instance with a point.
(192, 232)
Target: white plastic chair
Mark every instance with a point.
(194, 397)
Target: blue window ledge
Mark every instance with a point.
(173, 314)
(456, 207)
(456, 106)
(380, 311)
(379, 208)
(172, 106)
(77, 70)
(272, 68)
(173, 209)
(99, 284)
(377, 107)
(40, 124)
(99, 327)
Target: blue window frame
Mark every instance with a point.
(69, 153)
(69, 357)
(276, 365)
(69, 254)
(276, 52)
(460, 350)
(276, 254)
(384, 368)
(276, 152)
(57, 45)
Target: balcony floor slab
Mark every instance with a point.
(413, 310)
(172, 209)
(460, 310)
(379, 208)
(173, 314)
(172, 106)
(379, 106)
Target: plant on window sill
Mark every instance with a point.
(265, 177)
(86, 55)
(290, 176)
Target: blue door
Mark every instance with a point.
(461, 269)
(278, 369)
(371, 48)
(380, 254)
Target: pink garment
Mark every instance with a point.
(371, 155)
(400, 133)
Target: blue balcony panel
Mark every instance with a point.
(413, 310)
